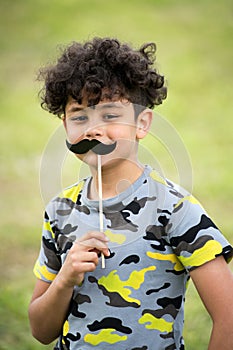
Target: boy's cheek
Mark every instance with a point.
(73, 135)
(127, 132)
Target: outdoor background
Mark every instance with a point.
(195, 53)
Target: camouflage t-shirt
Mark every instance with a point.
(157, 235)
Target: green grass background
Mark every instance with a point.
(195, 53)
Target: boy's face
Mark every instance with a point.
(107, 122)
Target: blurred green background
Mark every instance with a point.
(195, 53)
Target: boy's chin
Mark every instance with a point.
(91, 159)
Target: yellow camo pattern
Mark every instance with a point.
(190, 199)
(115, 237)
(66, 328)
(167, 257)
(47, 227)
(113, 283)
(105, 335)
(207, 253)
(41, 272)
(72, 192)
(156, 323)
(155, 176)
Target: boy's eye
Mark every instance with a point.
(79, 118)
(110, 116)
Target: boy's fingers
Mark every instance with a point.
(93, 244)
(94, 234)
(106, 252)
(93, 240)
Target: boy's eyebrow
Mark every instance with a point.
(75, 108)
(109, 105)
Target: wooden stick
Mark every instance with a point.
(100, 192)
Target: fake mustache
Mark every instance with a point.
(95, 146)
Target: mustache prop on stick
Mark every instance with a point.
(86, 145)
(100, 149)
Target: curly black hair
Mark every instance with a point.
(102, 69)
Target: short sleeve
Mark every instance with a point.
(48, 263)
(194, 237)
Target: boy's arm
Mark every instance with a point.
(48, 309)
(214, 283)
(50, 301)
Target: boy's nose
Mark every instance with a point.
(94, 131)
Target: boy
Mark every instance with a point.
(154, 237)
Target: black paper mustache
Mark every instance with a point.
(86, 145)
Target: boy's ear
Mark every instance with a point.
(64, 121)
(144, 121)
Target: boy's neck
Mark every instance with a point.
(115, 181)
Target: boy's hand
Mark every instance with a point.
(83, 257)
